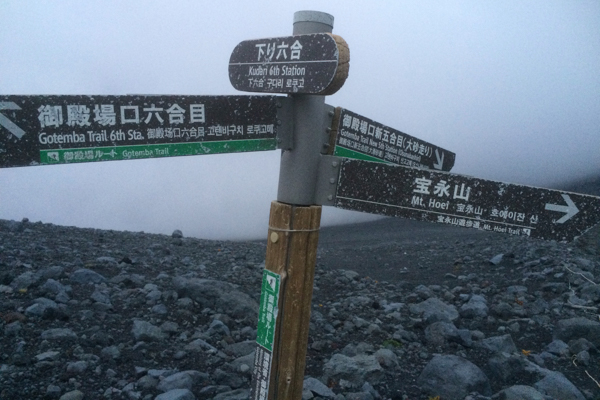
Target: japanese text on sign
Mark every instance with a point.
(266, 51)
(358, 136)
(105, 114)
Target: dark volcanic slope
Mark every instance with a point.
(92, 314)
(395, 249)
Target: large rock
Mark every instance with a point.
(42, 307)
(24, 280)
(221, 296)
(454, 377)
(511, 369)
(438, 333)
(519, 392)
(433, 310)
(557, 386)
(241, 348)
(576, 328)
(355, 370)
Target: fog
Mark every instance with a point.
(511, 87)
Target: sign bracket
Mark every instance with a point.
(285, 123)
(327, 181)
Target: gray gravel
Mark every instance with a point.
(92, 314)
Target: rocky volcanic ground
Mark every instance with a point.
(401, 310)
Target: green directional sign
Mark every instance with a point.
(45, 130)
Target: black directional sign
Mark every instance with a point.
(38, 130)
(464, 201)
(362, 138)
(292, 64)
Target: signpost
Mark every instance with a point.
(336, 158)
(311, 64)
(355, 136)
(70, 129)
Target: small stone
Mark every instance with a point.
(53, 391)
(316, 387)
(145, 331)
(58, 334)
(86, 276)
(179, 380)
(111, 352)
(497, 259)
(77, 367)
(176, 394)
(47, 356)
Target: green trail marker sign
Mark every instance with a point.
(267, 313)
(47, 130)
(265, 336)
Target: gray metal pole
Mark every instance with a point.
(299, 166)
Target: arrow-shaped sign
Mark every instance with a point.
(73, 129)
(570, 209)
(359, 137)
(7, 123)
(456, 200)
(440, 160)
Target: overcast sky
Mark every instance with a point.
(512, 87)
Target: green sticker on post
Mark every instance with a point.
(267, 314)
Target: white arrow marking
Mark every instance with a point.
(7, 123)
(440, 160)
(271, 282)
(570, 209)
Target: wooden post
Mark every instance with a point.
(292, 253)
(291, 258)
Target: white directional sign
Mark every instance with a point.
(463, 201)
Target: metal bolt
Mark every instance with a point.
(334, 164)
(332, 180)
(331, 113)
(278, 122)
(330, 197)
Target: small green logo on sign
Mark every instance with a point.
(267, 314)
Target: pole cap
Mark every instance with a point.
(317, 17)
